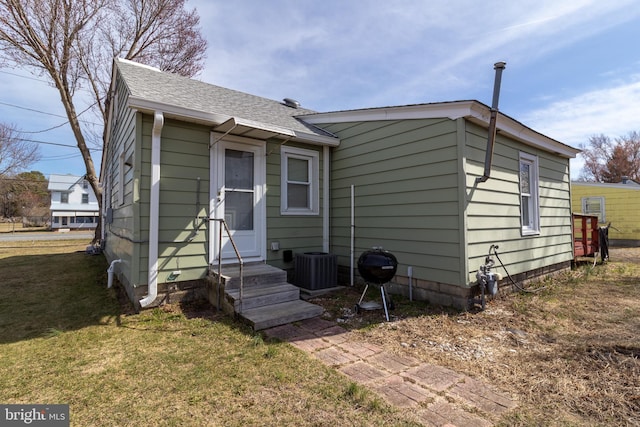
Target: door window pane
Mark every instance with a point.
(238, 210)
(238, 169)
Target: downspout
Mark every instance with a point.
(110, 271)
(154, 210)
(498, 66)
(326, 208)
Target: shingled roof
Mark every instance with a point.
(205, 102)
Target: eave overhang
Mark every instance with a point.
(473, 111)
(229, 124)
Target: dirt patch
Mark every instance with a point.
(569, 353)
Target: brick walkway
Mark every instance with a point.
(437, 395)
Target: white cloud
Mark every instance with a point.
(612, 111)
(370, 53)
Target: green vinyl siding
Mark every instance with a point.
(405, 177)
(120, 232)
(493, 207)
(182, 233)
(298, 233)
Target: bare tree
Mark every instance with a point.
(73, 43)
(607, 160)
(16, 154)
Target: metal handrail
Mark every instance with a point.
(235, 248)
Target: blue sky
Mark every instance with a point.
(573, 67)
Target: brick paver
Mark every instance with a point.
(393, 362)
(360, 348)
(334, 357)
(316, 324)
(363, 372)
(310, 343)
(434, 377)
(400, 392)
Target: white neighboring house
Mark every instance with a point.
(73, 203)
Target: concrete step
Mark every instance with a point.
(254, 296)
(280, 314)
(256, 274)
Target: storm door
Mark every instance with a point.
(239, 183)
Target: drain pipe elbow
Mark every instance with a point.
(111, 270)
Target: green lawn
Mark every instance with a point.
(64, 338)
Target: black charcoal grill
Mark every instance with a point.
(377, 267)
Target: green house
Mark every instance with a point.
(183, 155)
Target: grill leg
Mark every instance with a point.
(363, 293)
(384, 302)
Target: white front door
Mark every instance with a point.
(238, 179)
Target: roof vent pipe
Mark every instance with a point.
(498, 66)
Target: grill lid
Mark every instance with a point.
(377, 266)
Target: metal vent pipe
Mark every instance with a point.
(498, 66)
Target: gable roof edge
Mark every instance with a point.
(471, 110)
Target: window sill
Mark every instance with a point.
(299, 213)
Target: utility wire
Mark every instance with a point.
(44, 112)
(54, 143)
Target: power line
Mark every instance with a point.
(24, 77)
(46, 113)
(54, 143)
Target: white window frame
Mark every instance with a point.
(601, 213)
(313, 161)
(533, 227)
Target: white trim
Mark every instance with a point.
(258, 147)
(618, 186)
(473, 111)
(602, 217)
(533, 228)
(312, 157)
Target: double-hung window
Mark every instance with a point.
(299, 182)
(594, 206)
(529, 197)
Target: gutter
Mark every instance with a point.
(154, 210)
(488, 160)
